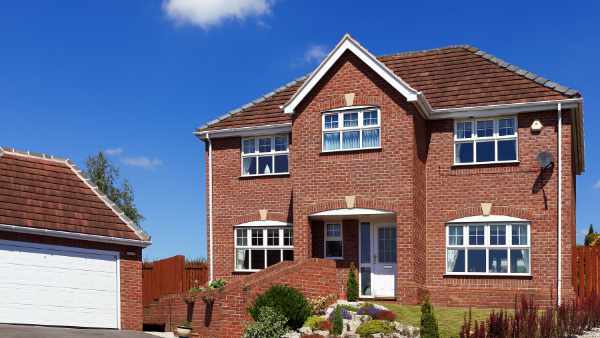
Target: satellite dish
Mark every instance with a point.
(545, 160)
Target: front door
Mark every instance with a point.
(377, 260)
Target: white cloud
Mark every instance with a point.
(142, 162)
(597, 185)
(315, 53)
(207, 13)
(113, 151)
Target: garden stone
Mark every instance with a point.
(361, 318)
(353, 324)
(291, 334)
(321, 333)
(305, 330)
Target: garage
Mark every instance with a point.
(68, 255)
(57, 285)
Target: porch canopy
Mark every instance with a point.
(351, 213)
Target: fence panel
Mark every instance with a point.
(586, 271)
(170, 276)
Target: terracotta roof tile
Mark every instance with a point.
(450, 77)
(48, 193)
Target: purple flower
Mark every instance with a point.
(368, 310)
(345, 314)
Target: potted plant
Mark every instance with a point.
(214, 287)
(184, 329)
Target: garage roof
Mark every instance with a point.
(38, 191)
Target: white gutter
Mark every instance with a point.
(73, 235)
(559, 263)
(246, 131)
(210, 223)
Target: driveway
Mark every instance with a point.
(24, 331)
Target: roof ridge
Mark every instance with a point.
(112, 205)
(422, 51)
(254, 102)
(526, 74)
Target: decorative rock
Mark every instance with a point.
(305, 330)
(292, 334)
(322, 333)
(353, 324)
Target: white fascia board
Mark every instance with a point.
(349, 44)
(488, 219)
(246, 131)
(264, 224)
(501, 109)
(351, 212)
(74, 235)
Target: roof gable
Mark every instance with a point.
(349, 44)
(38, 191)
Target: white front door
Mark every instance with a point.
(58, 285)
(377, 260)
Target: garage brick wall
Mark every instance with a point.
(130, 272)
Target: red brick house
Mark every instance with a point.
(68, 256)
(435, 172)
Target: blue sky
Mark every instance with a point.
(136, 77)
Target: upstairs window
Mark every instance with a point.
(480, 141)
(265, 155)
(351, 130)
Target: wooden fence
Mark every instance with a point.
(169, 276)
(586, 271)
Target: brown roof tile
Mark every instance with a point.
(450, 77)
(38, 191)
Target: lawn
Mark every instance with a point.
(450, 319)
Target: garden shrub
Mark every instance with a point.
(313, 321)
(372, 327)
(325, 325)
(269, 324)
(349, 307)
(285, 300)
(318, 305)
(385, 315)
(337, 321)
(429, 326)
(352, 287)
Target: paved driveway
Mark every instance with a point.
(23, 331)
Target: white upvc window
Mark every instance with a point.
(486, 140)
(351, 129)
(488, 249)
(265, 155)
(258, 248)
(334, 246)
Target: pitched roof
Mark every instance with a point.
(43, 192)
(450, 77)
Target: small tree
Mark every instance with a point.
(337, 322)
(589, 238)
(352, 292)
(429, 326)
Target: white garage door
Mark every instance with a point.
(56, 285)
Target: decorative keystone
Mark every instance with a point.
(536, 126)
(486, 209)
(263, 214)
(350, 201)
(349, 98)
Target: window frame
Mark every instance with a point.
(256, 154)
(265, 247)
(487, 247)
(474, 139)
(341, 129)
(339, 238)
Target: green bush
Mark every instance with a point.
(269, 324)
(313, 322)
(337, 321)
(429, 325)
(285, 300)
(372, 327)
(352, 292)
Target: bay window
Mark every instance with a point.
(490, 140)
(265, 155)
(258, 248)
(351, 130)
(495, 249)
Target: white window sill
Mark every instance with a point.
(484, 163)
(266, 175)
(348, 150)
(484, 274)
(244, 271)
(335, 258)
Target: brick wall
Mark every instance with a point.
(130, 272)
(229, 317)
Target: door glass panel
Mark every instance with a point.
(365, 281)
(365, 242)
(386, 244)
